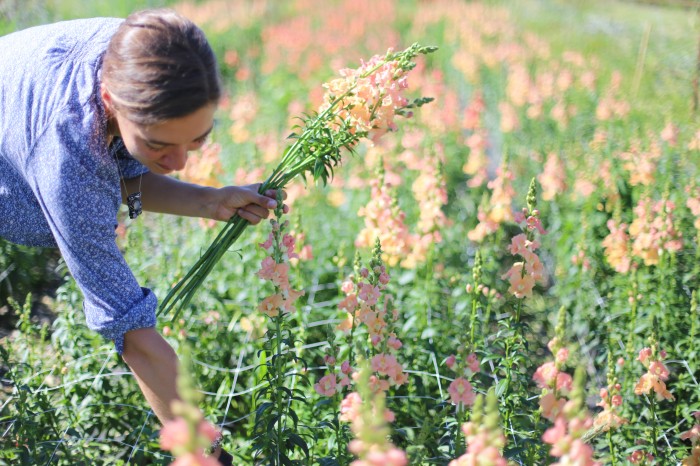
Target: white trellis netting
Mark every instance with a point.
(110, 368)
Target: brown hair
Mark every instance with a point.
(159, 66)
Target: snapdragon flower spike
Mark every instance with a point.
(498, 210)
(465, 366)
(523, 275)
(566, 436)
(384, 220)
(367, 310)
(555, 383)
(657, 373)
(368, 417)
(275, 268)
(483, 435)
(317, 144)
(611, 402)
(188, 435)
(693, 435)
(332, 382)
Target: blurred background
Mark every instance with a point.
(595, 100)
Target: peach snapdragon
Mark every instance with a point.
(553, 178)
(641, 164)
(188, 435)
(275, 268)
(369, 308)
(693, 203)
(384, 219)
(366, 411)
(610, 106)
(204, 166)
(611, 402)
(693, 434)
(554, 382)
(617, 247)
(483, 435)
(653, 230)
(464, 364)
(657, 373)
(369, 98)
(498, 209)
(571, 424)
(523, 275)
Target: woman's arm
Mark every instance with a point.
(154, 365)
(164, 194)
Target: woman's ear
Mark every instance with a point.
(106, 100)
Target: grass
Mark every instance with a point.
(617, 30)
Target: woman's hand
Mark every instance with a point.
(161, 193)
(244, 201)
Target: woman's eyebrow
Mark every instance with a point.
(161, 143)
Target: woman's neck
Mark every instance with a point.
(112, 130)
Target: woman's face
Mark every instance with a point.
(163, 147)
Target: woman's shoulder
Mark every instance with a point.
(50, 75)
(59, 41)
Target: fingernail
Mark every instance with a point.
(271, 204)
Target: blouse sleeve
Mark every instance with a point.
(78, 191)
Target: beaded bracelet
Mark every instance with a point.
(215, 444)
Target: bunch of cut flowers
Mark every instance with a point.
(361, 104)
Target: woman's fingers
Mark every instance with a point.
(273, 194)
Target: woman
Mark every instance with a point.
(99, 111)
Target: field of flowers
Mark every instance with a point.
(508, 275)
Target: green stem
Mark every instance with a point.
(654, 426)
(472, 321)
(611, 446)
(279, 374)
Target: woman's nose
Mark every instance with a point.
(176, 158)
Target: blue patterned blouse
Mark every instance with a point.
(59, 182)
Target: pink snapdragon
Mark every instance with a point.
(461, 392)
(483, 436)
(368, 308)
(187, 438)
(693, 435)
(571, 422)
(327, 386)
(368, 419)
(653, 231)
(499, 208)
(275, 268)
(523, 275)
(693, 203)
(553, 178)
(611, 402)
(465, 365)
(370, 96)
(657, 373)
(616, 246)
(384, 219)
(551, 378)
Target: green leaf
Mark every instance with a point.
(295, 439)
(501, 387)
